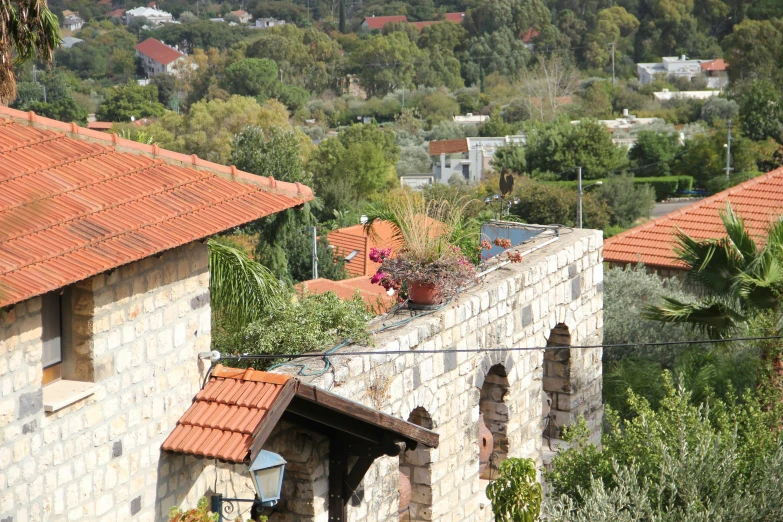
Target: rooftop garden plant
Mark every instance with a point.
(429, 265)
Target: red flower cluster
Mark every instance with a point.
(377, 255)
(485, 245)
(514, 257)
(503, 242)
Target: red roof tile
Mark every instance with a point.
(100, 125)
(349, 239)
(236, 411)
(715, 65)
(373, 295)
(528, 36)
(758, 201)
(225, 414)
(158, 51)
(377, 22)
(115, 13)
(454, 17)
(76, 202)
(448, 146)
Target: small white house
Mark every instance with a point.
(157, 57)
(467, 157)
(243, 16)
(266, 23)
(154, 16)
(470, 118)
(72, 21)
(670, 66)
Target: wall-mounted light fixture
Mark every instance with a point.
(266, 472)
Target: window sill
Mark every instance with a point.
(59, 394)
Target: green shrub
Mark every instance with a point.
(515, 494)
(683, 457)
(664, 186)
(309, 323)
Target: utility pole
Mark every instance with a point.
(613, 46)
(315, 253)
(728, 152)
(579, 208)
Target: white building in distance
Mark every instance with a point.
(266, 23)
(154, 16)
(666, 95)
(468, 157)
(470, 118)
(714, 71)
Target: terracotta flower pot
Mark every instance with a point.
(486, 445)
(405, 494)
(423, 294)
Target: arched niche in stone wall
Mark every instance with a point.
(495, 413)
(557, 383)
(416, 465)
(306, 481)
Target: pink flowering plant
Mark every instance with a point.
(427, 255)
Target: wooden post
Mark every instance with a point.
(338, 466)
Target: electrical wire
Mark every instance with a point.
(501, 349)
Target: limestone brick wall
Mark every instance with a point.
(139, 330)
(558, 288)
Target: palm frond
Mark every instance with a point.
(711, 317)
(241, 289)
(738, 234)
(711, 262)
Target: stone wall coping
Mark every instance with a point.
(498, 285)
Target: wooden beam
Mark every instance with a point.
(355, 477)
(357, 429)
(367, 415)
(272, 417)
(338, 466)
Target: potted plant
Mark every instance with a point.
(425, 263)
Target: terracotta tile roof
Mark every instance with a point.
(715, 65)
(528, 36)
(100, 125)
(115, 13)
(377, 22)
(231, 418)
(76, 202)
(373, 295)
(454, 17)
(224, 415)
(758, 201)
(349, 239)
(158, 51)
(422, 25)
(448, 147)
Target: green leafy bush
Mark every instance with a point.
(308, 323)
(683, 458)
(515, 494)
(664, 187)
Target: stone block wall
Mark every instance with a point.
(136, 335)
(554, 292)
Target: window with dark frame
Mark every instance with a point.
(51, 336)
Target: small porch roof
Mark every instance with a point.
(233, 415)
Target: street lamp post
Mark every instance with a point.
(581, 193)
(266, 472)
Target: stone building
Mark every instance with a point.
(104, 312)
(501, 350)
(104, 306)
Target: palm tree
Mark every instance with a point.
(739, 281)
(29, 29)
(241, 290)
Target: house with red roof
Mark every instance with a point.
(157, 57)
(104, 308)
(716, 72)
(116, 13)
(758, 201)
(377, 23)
